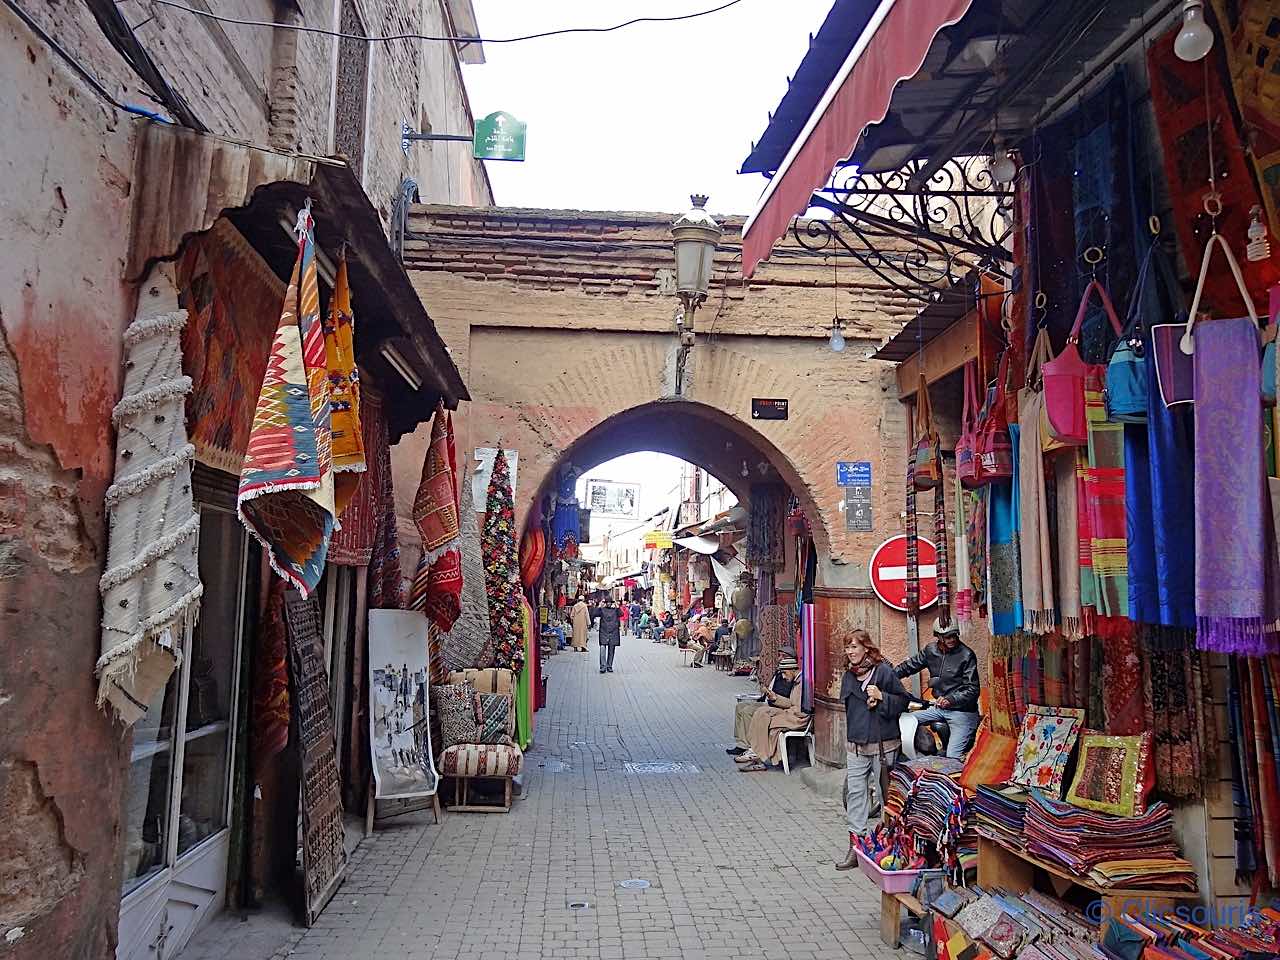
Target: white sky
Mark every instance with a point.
(640, 118)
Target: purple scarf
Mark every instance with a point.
(1234, 565)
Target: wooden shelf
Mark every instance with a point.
(1000, 865)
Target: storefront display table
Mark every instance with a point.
(1002, 867)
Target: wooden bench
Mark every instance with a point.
(891, 907)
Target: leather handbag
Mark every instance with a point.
(966, 456)
(1125, 392)
(1064, 377)
(928, 451)
(993, 448)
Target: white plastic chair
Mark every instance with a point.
(806, 734)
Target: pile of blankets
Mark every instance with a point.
(1128, 852)
(926, 797)
(999, 813)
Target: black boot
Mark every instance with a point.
(850, 859)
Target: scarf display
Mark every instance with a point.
(1066, 504)
(269, 725)
(435, 514)
(1122, 685)
(286, 481)
(463, 646)
(151, 584)
(1004, 720)
(1004, 603)
(232, 298)
(975, 535)
(1053, 663)
(352, 543)
(386, 586)
(940, 540)
(766, 539)
(1231, 516)
(1173, 692)
(1266, 744)
(964, 585)
(1035, 544)
(1104, 505)
(502, 570)
(344, 392)
(1247, 825)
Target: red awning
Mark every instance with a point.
(891, 49)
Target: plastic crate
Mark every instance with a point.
(889, 881)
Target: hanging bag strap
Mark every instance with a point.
(1133, 322)
(1041, 353)
(969, 412)
(1084, 308)
(1188, 342)
(924, 411)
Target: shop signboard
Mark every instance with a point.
(857, 509)
(767, 408)
(853, 473)
(499, 136)
(609, 499)
(658, 540)
(888, 570)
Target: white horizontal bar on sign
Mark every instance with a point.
(900, 573)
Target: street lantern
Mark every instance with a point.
(694, 235)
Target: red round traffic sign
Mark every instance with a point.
(888, 570)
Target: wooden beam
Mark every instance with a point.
(946, 353)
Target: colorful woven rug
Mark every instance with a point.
(435, 514)
(386, 586)
(502, 569)
(269, 726)
(352, 544)
(344, 393)
(232, 298)
(464, 646)
(286, 481)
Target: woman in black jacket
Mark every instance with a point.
(874, 698)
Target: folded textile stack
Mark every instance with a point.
(999, 811)
(926, 796)
(1176, 938)
(1029, 925)
(1134, 852)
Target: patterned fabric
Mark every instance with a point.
(464, 645)
(1105, 502)
(232, 298)
(766, 539)
(1035, 543)
(286, 480)
(533, 554)
(1113, 775)
(1066, 503)
(386, 586)
(1004, 720)
(913, 540)
(940, 540)
(1122, 684)
(438, 579)
(481, 760)
(493, 714)
(990, 760)
(975, 535)
(963, 604)
(491, 680)
(456, 705)
(344, 392)
(501, 570)
(270, 722)
(1234, 565)
(1045, 742)
(1172, 697)
(1005, 598)
(524, 705)
(352, 543)
(771, 629)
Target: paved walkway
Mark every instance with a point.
(739, 865)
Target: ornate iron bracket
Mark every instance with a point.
(958, 219)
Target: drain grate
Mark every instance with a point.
(635, 883)
(578, 905)
(555, 765)
(661, 766)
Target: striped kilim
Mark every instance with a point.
(286, 481)
(1104, 500)
(344, 392)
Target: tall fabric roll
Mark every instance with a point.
(502, 569)
(1234, 609)
(1004, 578)
(524, 691)
(808, 672)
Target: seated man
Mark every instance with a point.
(779, 715)
(783, 682)
(953, 677)
(700, 640)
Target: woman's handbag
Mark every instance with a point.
(928, 451)
(966, 456)
(993, 447)
(1125, 392)
(1064, 377)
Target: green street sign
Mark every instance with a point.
(499, 136)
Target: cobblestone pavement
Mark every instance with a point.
(739, 865)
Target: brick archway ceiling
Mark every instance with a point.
(692, 432)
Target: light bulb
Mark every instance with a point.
(1195, 39)
(837, 338)
(745, 471)
(1003, 167)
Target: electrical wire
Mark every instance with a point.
(391, 38)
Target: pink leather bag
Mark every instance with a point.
(1064, 377)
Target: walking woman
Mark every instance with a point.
(874, 698)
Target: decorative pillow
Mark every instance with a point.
(990, 760)
(456, 705)
(1113, 775)
(1045, 742)
(492, 710)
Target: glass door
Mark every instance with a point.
(178, 800)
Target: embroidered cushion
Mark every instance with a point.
(481, 760)
(1045, 742)
(492, 712)
(1113, 775)
(492, 680)
(990, 760)
(456, 705)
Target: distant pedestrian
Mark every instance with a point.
(581, 616)
(609, 618)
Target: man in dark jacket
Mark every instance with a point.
(953, 677)
(610, 621)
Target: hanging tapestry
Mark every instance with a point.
(1005, 600)
(975, 534)
(344, 392)
(1232, 519)
(352, 543)
(501, 569)
(232, 298)
(1179, 95)
(766, 539)
(1172, 697)
(1122, 689)
(771, 624)
(435, 514)
(566, 528)
(269, 725)
(386, 585)
(1104, 505)
(912, 588)
(1003, 719)
(286, 481)
(463, 647)
(1053, 667)
(151, 585)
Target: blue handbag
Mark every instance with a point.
(1125, 391)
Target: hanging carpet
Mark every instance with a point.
(269, 724)
(463, 646)
(502, 569)
(435, 513)
(344, 393)
(386, 586)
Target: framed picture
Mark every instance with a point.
(399, 686)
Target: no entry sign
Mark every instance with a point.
(888, 570)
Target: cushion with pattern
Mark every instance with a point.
(492, 711)
(455, 704)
